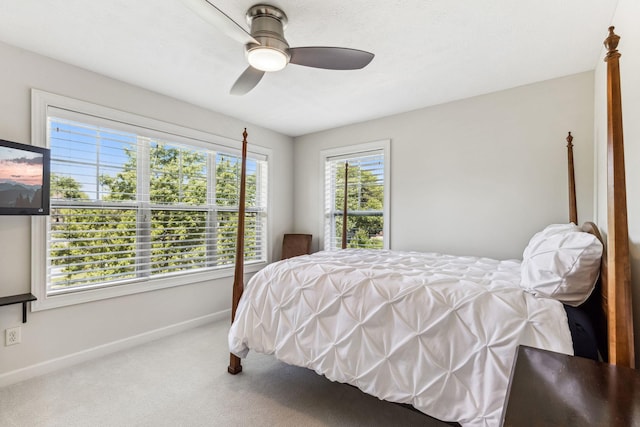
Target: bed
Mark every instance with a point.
(440, 332)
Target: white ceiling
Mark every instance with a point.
(427, 51)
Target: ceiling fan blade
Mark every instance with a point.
(331, 58)
(210, 13)
(247, 81)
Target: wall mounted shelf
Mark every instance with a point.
(19, 299)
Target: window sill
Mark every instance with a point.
(45, 302)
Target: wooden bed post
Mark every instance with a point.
(573, 209)
(345, 206)
(620, 320)
(235, 365)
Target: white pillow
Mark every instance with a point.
(549, 230)
(562, 262)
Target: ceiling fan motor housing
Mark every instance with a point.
(267, 27)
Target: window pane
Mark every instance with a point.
(365, 184)
(89, 246)
(365, 200)
(363, 231)
(178, 175)
(91, 163)
(228, 171)
(178, 241)
(227, 230)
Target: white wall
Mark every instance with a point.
(61, 332)
(626, 22)
(475, 177)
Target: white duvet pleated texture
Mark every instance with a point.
(436, 331)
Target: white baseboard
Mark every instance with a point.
(52, 365)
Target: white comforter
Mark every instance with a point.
(436, 331)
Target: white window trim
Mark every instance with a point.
(349, 150)
(41, 101)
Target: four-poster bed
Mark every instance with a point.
(617, 291)
(385, 365)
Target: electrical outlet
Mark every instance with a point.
(12, 336)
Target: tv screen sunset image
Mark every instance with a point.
(20, 178)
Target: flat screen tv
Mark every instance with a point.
(24, 179)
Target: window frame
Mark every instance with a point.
(356, 150)
(41, 102)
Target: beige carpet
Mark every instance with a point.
(182, 381)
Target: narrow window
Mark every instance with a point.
(366, 194)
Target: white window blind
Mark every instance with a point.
(130, 204)
(365, 199)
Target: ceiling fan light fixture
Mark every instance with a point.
(267, 58)
(266, 48)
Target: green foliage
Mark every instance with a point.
(178, 240)
(365, 201)
(178, 176)
(91, 243)
(123, 185)
(228, 183)
(65, 187)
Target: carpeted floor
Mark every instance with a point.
(182, 381)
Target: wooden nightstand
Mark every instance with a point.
(553, 389)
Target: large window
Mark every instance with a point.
(134, 205)
(365, 168)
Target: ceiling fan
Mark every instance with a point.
(266, 48)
